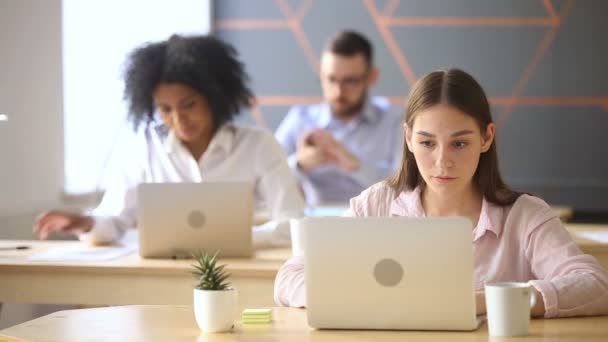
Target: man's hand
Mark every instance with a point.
(309, 155)
(335, 152)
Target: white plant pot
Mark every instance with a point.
(215, 311)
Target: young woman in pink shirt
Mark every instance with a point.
(450, 168)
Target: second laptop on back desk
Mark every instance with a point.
(176, 219)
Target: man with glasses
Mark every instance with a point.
(347, 143)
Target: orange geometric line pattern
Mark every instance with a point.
(287, 100)
(550, 9)
(244, 24)
(470, 21)
(284, 7)
(390, 7)
(390, 42)
(531, 67)
(499, 101)
(384, 19)
(303, 42)
(303, 10)
(549, 101)
(257, 115)
(295, 24)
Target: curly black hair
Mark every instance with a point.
(204, 63)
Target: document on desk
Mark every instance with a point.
(83, 252)
(599, 236)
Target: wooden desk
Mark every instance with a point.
(126, 280)
(597, 249)
(176, 323)
(565, 213)
(132, 280)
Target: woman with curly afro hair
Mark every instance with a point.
(182, 95)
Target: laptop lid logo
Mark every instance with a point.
(196, 219)
(388, 272)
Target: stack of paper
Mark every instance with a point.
(256, 316)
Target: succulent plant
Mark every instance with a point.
(210, 275)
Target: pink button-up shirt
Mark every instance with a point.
(523, 242)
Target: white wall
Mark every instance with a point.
(31, 141)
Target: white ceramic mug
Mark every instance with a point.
(297, 237)
(508, 307)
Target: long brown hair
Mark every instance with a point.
(456, 88)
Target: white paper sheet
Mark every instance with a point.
(83, 252)
(599, 236)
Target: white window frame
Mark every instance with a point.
(97, 37)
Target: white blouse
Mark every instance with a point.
(235, 153)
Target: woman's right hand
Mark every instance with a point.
(62, 221)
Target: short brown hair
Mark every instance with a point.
(456, 88)
(351, 43)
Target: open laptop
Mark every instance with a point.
(175, 219)
(391, 273)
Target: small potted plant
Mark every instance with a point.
(215, 301)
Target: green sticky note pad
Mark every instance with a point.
(256, 321)
(257, 312)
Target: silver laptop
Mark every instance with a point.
(390, 273)
(175, 219)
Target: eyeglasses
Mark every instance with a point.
(350, 82)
